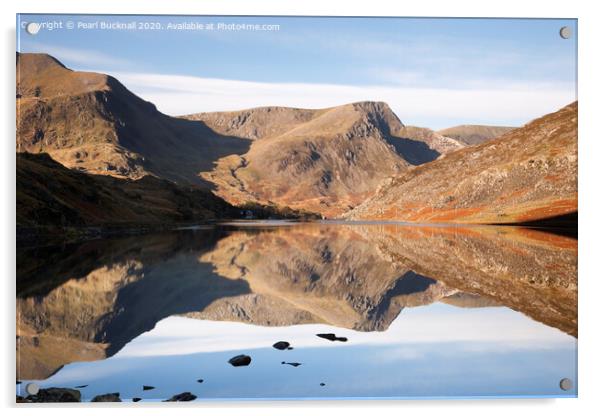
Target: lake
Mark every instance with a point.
(418, 311)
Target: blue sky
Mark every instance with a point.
(433, 72)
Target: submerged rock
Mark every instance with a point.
(291, 364)
(136, 399)
(240, 360)
(281, 345)
(82, 386)
(200, 380)
(322, 384)
(182, 397)
(332, 337)
(109, 397)
(55, 395)
(148, 387)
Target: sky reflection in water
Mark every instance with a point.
(436, 350)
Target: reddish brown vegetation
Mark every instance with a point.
(527, 174)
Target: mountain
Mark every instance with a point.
(50, 195)
(356, 157)
(528, 174)
(324, 161)
(470, 134)
(91, 122)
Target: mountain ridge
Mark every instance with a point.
(471, 134)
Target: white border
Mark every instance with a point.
(590, 153)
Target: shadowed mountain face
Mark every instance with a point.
(528, 174)
(86, 301)
(50, 195)
(91, 122)
(409, 137)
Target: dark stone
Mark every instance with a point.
(289, 348)
(55, 395)
(240, 360)
(82, 386)
(182, 397)
(322, 384)
(281, 345)
(200, 380)
(136, 399)
(332, 337)
(147, 387)
(291, 364)
(109, 397)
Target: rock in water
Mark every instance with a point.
(109, 397)
(281, 345)
(332, 337)
(291, 364)
(136, 399)
(200, 380)
(147, 387)
(55, 395)
(322, 384)
(240, 360)
(82, 386)
(182, 397)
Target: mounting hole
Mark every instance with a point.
(566, 384)
(32, 389)
(32, 28)
(565, 32)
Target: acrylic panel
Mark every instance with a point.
(269, 207)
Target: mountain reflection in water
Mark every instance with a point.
(87, 301)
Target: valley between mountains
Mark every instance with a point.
(92, 153)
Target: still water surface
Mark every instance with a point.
(427, 312)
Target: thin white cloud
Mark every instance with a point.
(505, 103)
(84, 57)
